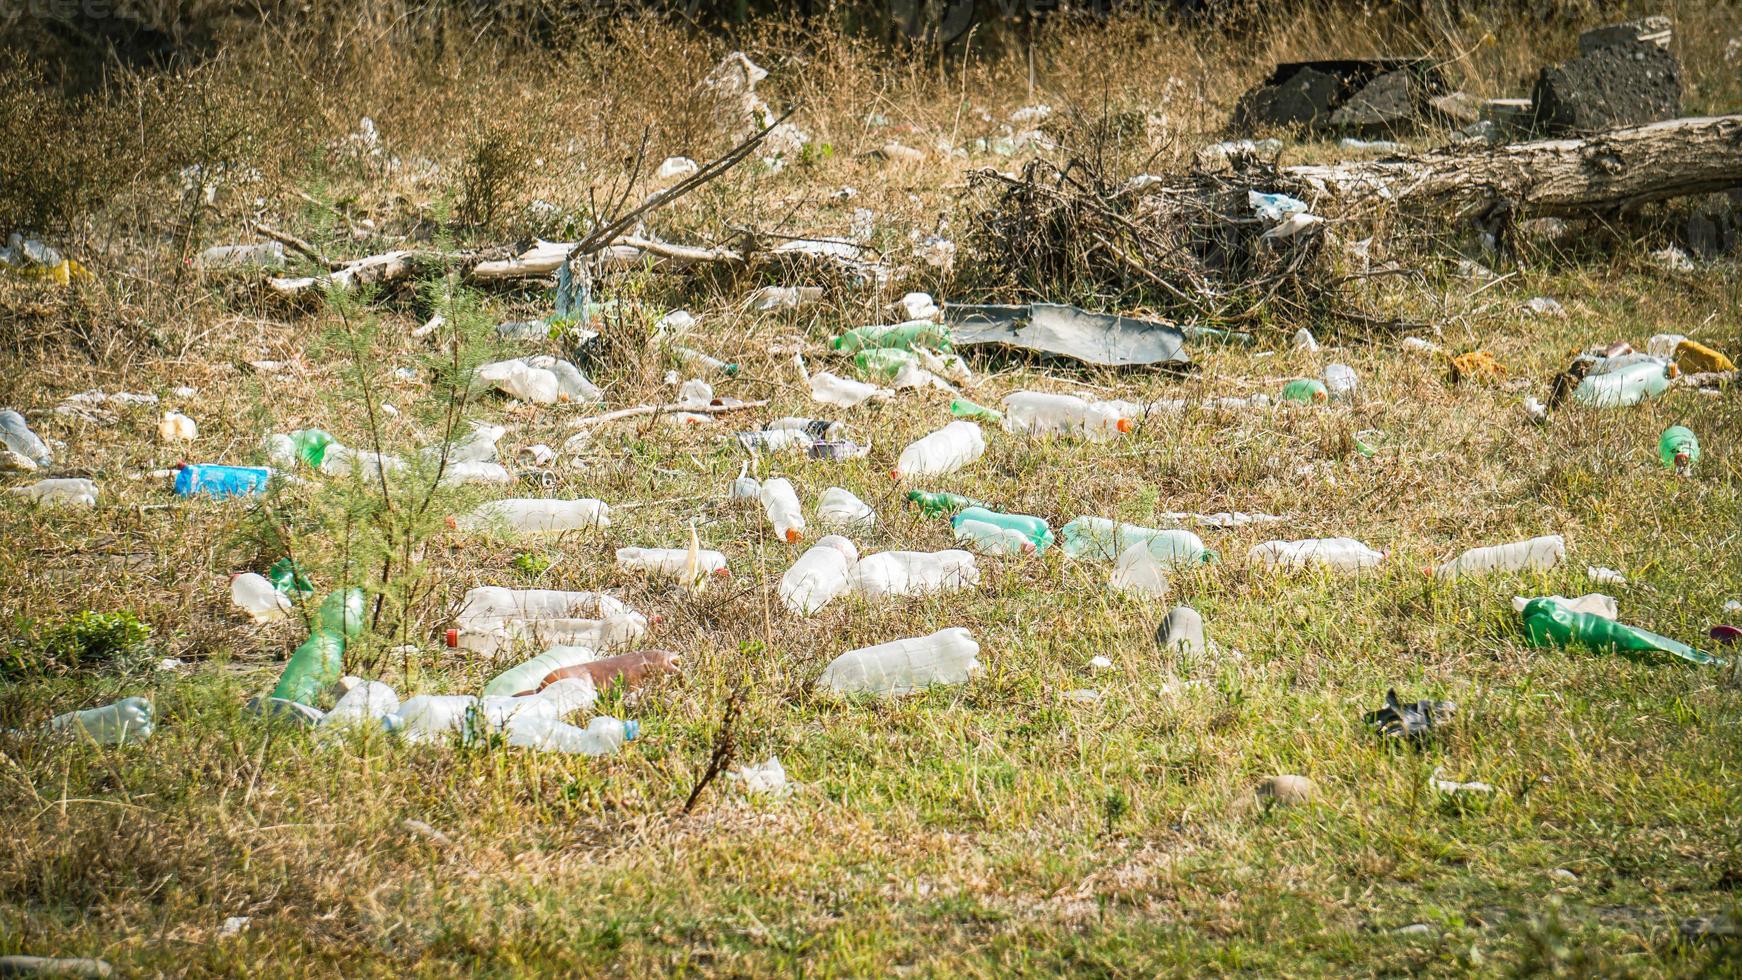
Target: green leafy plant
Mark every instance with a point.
(90, 639)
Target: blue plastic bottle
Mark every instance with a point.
(221, 481)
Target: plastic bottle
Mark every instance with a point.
(1098, 537)
(817, 429)
(780, 503)
(319, 662)
(628, 670)
(672, 563)
(1305, 391)
(266, 255)
(305, 446)
(221, 481)
(528, 677)
(542, 379)
(603, 735)
(476, 446)
(65, 490)
(255, 595)
(900, 336)
(288, 579)
(15, 433)
(940, 504)
(1042, 414)
(903, 573)
(1678, 448)
(432, 717)
(494, 602)
(819, 575)
(127, 720)
(831, 389)
(1535, 554)
(964, 409)
(745, 487)
(367, 703)
(783, 297)
(1628, 386)
(1035, 529)
(990, 539)
(695, 358)
(944, 451)
(1548, 623)
(775, 440)
(1664, 344)
(838, 507)
(1341, 554)
(917, 306)
(363, 463)
(885, 363)
(1341, 381)
(474, 471)
(534, 515)
(904, 666)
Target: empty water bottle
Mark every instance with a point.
(817, 429)
(434, 717)
(65, 490)
(213, 480)
(838, 507)
(780, 503)
(831, 389)
(1035, 529)
(18, 437)
(127, 720)
(745, 487)
(775, 440)
(1138, 572)
(1098, 537)
(1548, 623)
(255, 595)
(1340, 381)
(990, 539)
(1536, 554)
(1340, 554)
(1629, 385)
(367, 703)
(964, 409)
(673, 563)
(603, 735)
(1044, 414)
(533, 515)
(889, 574)
(819, 575)
(318, 663)
(905, 666)
(944, 451)
(695, 358)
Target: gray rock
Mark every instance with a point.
(1304, 98)
(1384, 106)
(1287, 791)
(1649, 30)
(1626, 84)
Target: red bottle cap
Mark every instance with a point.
(453, 639)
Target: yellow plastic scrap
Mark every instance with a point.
(62, 273)
(1694, 357)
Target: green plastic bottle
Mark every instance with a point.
(940, 504)
(342, 612)
(1678, 448)
(310, 446)
(313, 667)
(902, 336)
(1548, 623)
(884, 362)
(1034, 528)
(1305, 390)
(288, 579)
(964, 409)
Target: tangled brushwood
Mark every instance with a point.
(1185, 245)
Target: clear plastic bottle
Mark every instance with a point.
(745, 487)
(1664, 344)
(65, 490)
(266, 255)
(831, 389)
(554, 702)
(1535, 554)
(603, 735)
(256, 596)
(1043, 414)
(1341, 381)
(770, 298)
(944, 451)
(838, 507)
(1628, 386)
(1137, 571)
(1035, 529)
(542, 379)
(533, 515)
(368, 703)
(817, 429)
(474, 471)
(691, 357)
(127, 720)
(990, 539)
(476, 446)
(17, 436)
(819, 575)
(780, 503)
(493, 604)
(1340, 554)
(904, 666)
(902, 573)
(489, 638)
(213, 480)
(433, 717)
(672, 563)
(775, 440)
(1099, 537)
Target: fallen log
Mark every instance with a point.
(1610, 171)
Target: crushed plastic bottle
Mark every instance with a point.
(888, 574)
(831, 389)
(904, 666)
(1035, 529)
(942, 452)
(819, 575)
(476, 446)
(775, 440)
(1043, 414)
(1338, 554)
(1548, 623)
(213, 480)
(673, 563)
(1305, 391)
(817, 429)
(17, 436)
(1139, 573)
(535, 515)
(72, 491)
(603, 735)
(127, 720)
(543, 380)
(964, 409)
(1626, 386)
(770, 298)
(1274, 207)
(940, 504)
(838, 507)
(1098, 537)
(990, 539)
(691, 357)
(900, 336)
(780, 504)
(1341, 381)
(367, 704)
(255, 595)
(434, 717)
(1305, 341)
(1678, 448)
(1535, 554)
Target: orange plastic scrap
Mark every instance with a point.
(1694, 357)
(1476, 365)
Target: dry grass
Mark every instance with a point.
(989, 829)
